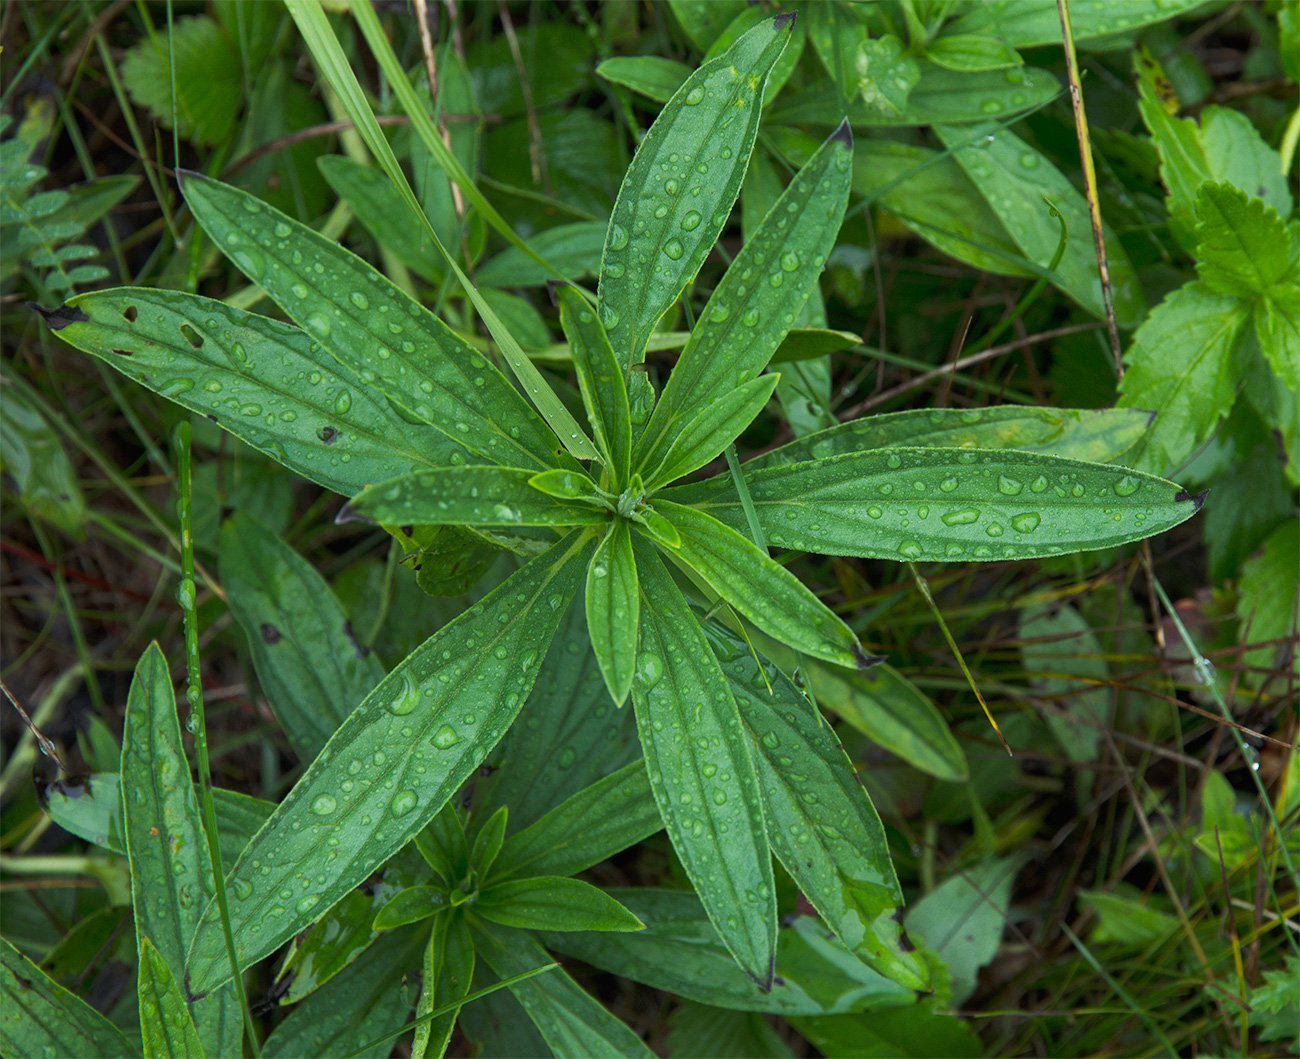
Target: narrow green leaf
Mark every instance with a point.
(823, 827)
(704, 20)
(311, 666)
(747, 317)
(171, 871)
(948, 504)
(267, 383)
(377, 204)
(1024, 25)
(473, 496)
(1242, 246)
(165, 1023)
(666, 220)
(809, 343)
(571, 735)
(552, 902)
(363, 1001)
(410, 906)
(715, 427)
(600, 820)
(574, 1024)
(1097, 435)
(762, 590)
(393, 764)
(614, 609)
(370, 324)
(680, 952)
(969, 51)
(1015, 178)
(448, 973)
(601, 380)
(1180, 363)
(32, 458)
(653, 76)
(701, 772)
(487, 843)
(940, 96)
(568, 485)
(39, 1018)
(329, 56)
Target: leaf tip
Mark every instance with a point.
(785, 18)
(348, 513)
(843, 134)
(864, 660)
(59, 317)
(1182, 496)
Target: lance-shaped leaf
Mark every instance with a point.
(269, 384)
(171, 870)
(601, 380)
(760, 296)
(614, 609)
(313, 670)
(597, 822)
(448, 973)
(393, 764)
(552, 902)
(470, 496)
(364, 1001)
(166, 1027)
(679, 952)
(822, 825)
(681, 185)
(1025, 25)
(701, 772)
(574, 1024)
(760, 588)
(38, 1017)
(370, 324)
(715, 427)
(949, 504)
(1097, 435)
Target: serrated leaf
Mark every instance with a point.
(267, 383)
(1242, 246)
(947, 504)
(374, 327)
(448, 974)
(679, 952)
(822, 826)
(475, 496)
(1277, 327)
(760, 588)
(165, 1023)
(363, 1001)
(341, 820)
(613, 609)
(552, 902)
(171, 870)
(939, 97)
(602, 383)
(1014, 177)
(746, 318)
(600, 820)
(1097, 435)
(652, 75)
(311, 666)
(713, 428)
(207, 78)
(39, 1018)
(574, 1024)
(1266, 606)
(1180, 363)
(665, 222)
(702, 773)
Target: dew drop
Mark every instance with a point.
(359, 300)
(961, 517)
(789, 261)
(342, 402)
(674, 249)
(324, 805)
(910, 550)
(948, 485)
(874, 511)
(1009, 486)
(617, 237)
(1025, 523)
(650, 669)
(1038, 484)
(243, 889)
(691, 221)
(403, 803)
(445, 737)
(694, 96)
(1127, 486)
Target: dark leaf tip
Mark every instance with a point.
(1183, 496)
(347, 513)
(58, 318)
(866, 661)
(785, 18)
(843, 134)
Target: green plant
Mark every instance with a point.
(374, 389)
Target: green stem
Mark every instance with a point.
(186, 596)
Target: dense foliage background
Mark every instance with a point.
(1115, 885)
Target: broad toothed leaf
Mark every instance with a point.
(393, 764)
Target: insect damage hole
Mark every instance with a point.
(191, 336)
(130, 313)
